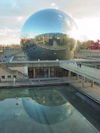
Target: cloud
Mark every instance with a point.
(89, 27)
(19, 18)
(13, 14)
(14, 5)
(9, 36)
(12, 22)
(82, 8)
(77, 8)
(53, 5)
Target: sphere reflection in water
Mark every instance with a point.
(49, 34)
(49, 107)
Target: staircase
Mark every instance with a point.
(13, 72)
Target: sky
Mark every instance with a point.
(14, 13)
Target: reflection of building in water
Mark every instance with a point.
(49, 98)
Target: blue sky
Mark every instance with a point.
(14, 13)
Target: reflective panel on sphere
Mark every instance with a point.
(49, 34)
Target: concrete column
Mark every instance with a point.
(49, 72)
(77, 77)
(43, 40)
(26, 70)
(69, 74)
(83, 81)
(92, 83)
(82, 54)
(34, 72)
(90, 54)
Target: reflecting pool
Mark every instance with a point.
(50, 109)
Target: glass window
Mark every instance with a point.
(3, 77)
(52, 68)
(14, 76)
(9, 76)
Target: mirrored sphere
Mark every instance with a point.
(48, 35)
(48, 108)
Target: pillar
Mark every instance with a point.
(92, 83)
(43, 40)
(82, 55)
(69, 74)
(34, 72)
(49, 72)
(77, 77)
(90, 54)
(26, 70)
(83, 81)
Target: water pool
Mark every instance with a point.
(50, 109)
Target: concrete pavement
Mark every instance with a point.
(92, 92)
(36, 82)
(88, 72)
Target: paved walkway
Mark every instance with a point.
(92, 92)
(36, 82)
(90, 73)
